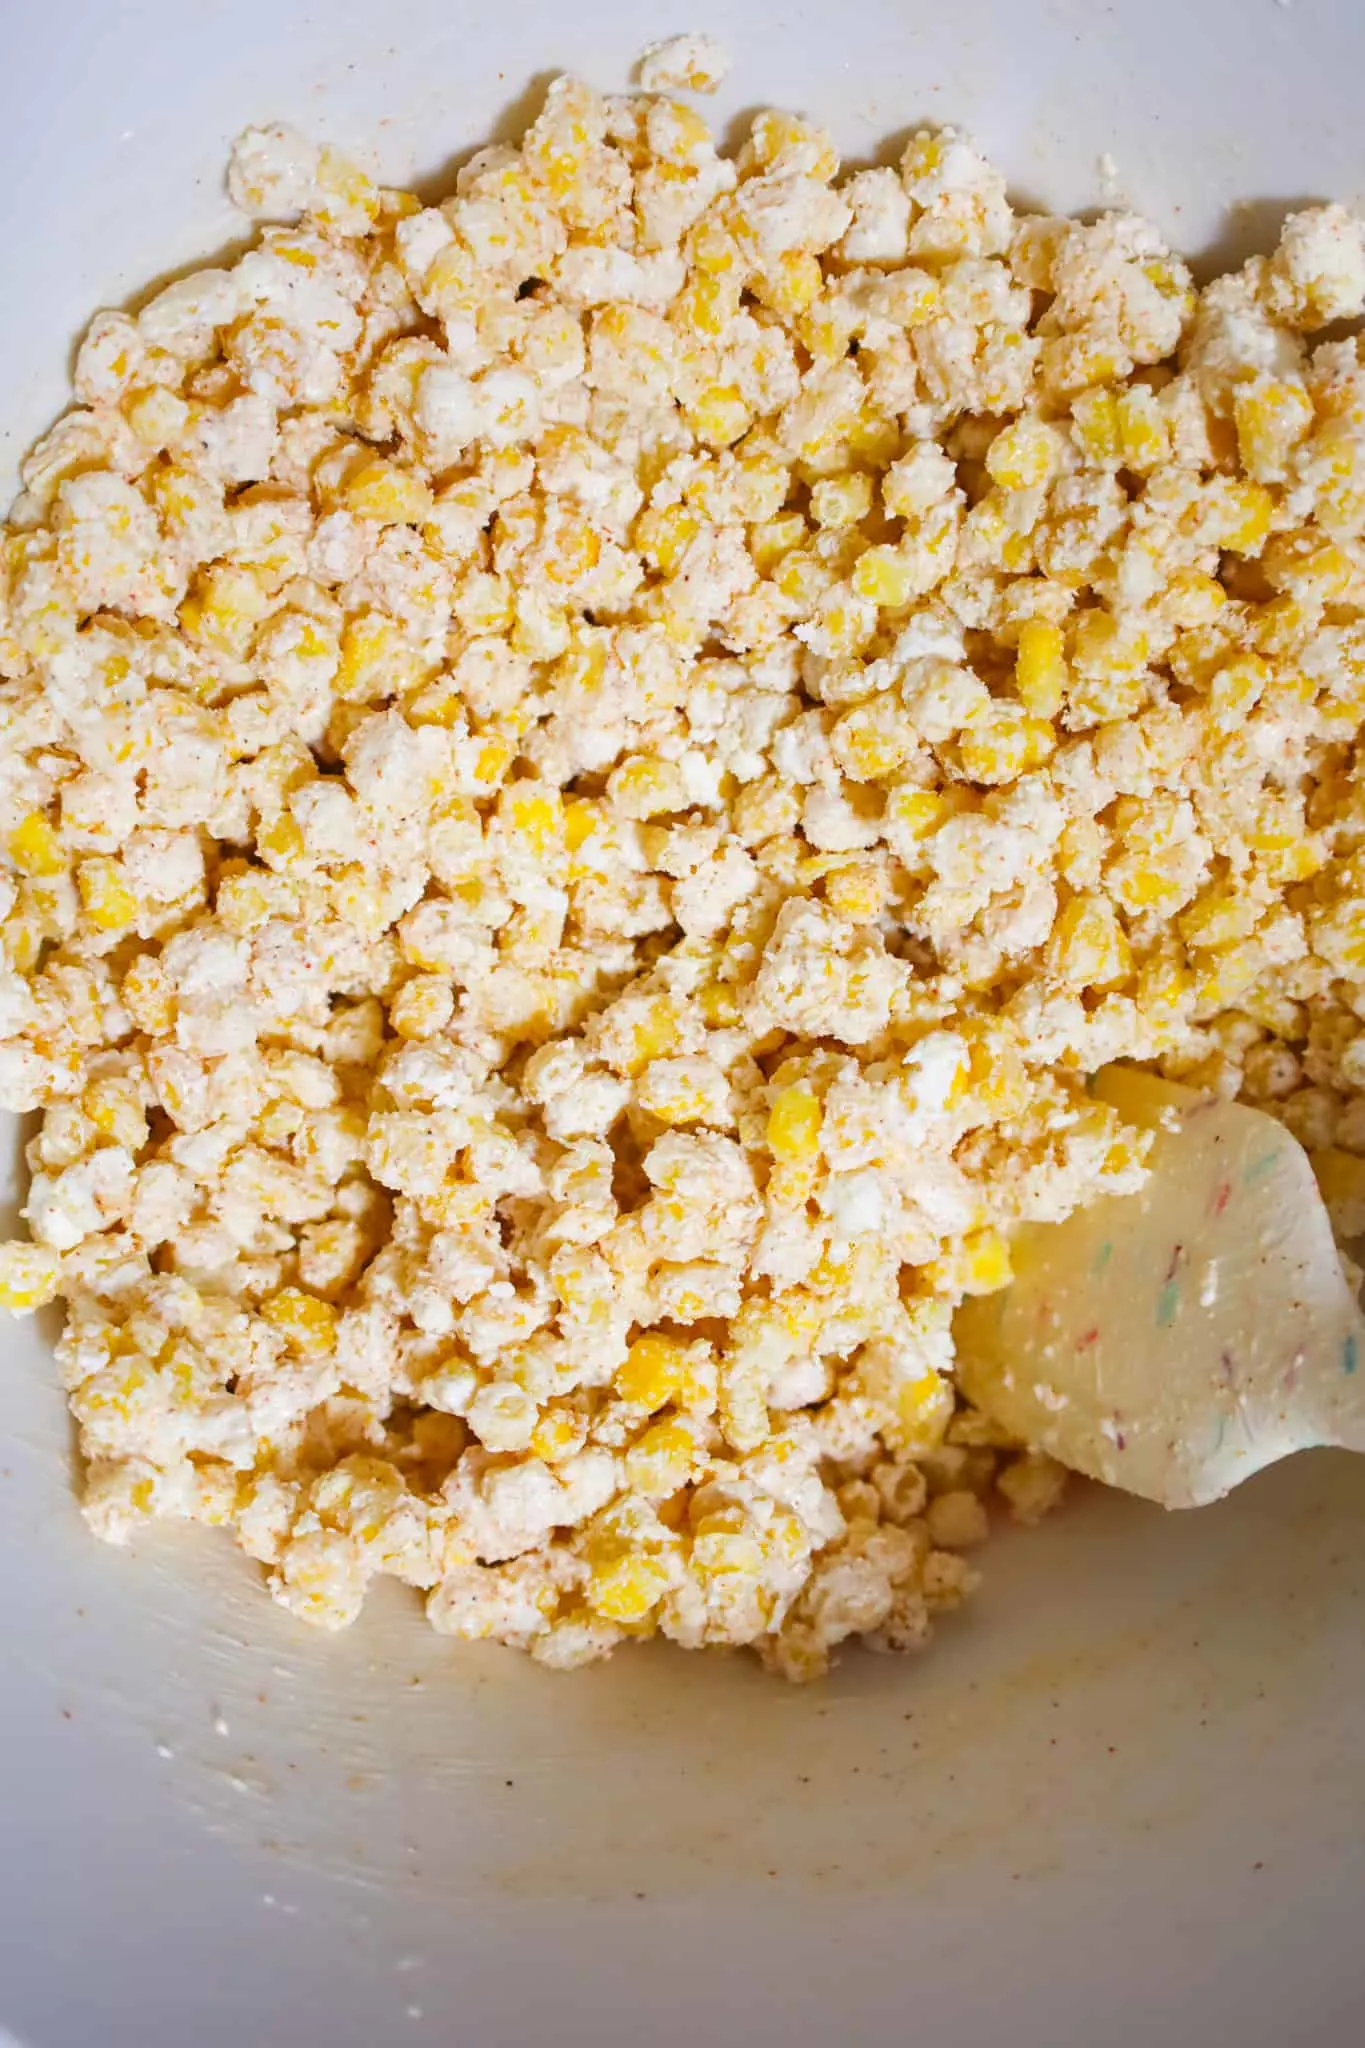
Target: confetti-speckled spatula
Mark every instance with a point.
(1174, 1341)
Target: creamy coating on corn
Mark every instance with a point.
(586, 773)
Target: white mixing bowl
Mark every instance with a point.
(1123, 1799)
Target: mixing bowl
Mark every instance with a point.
(1123, 1798)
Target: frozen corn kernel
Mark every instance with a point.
(30, 1277)
(719, 415)
(35, 848)
(986, 1264)
(108, 902)
(1272, 417)
(794, 1124)
(653, 1371)
(886, 577)
(1144, 437)
(382, 491)
(1089, 947)
(625, 1588)
(660, 1459)
(837, 501)
(1023, 456)
(307, 1323)
(422, 1007)
(1040, 673)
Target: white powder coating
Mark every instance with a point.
(686, 63)
(585, 773)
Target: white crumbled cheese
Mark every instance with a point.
(585, 773)
(688, 63)
(273, 172)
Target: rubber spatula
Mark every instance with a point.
(1173, 1341)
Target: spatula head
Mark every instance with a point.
(1173, 1341)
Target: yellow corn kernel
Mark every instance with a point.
(659, 1460)
(1022, 456)
(29, 1277)
(1236, 688)
(918, 813)
(802, 578)
(656, 1034)
(108, 902)
(376, 659)
(719, 416)
(824, 330)
(885, 577)
(383, 491)
(558, 1434)
(21, 936)
(653, 1371)
(307, 1323)
(1088, 947)
(857, 892)
(1000, 748)
(626, 1588)
(776, 134)
(985, 1262)
(644, 786)
(1105, 646)
(422, 1006)
(1143, 434)
(742, 1406)
(1249, 509)
(709, 303)
(115, 1109)
(845, 627)
(157, 416)
(712, 250)
(35, 848)
(1071, 362)
(280, 840)
(1095, 415)
(1324, 576)
(582, 819)
(723, 1543)
(492, 762)
(227, 606)
(345, 190)
(1272, 416)
(791, 285)
(1219, 916)
(663, 534)
(536, 816)
(1040, 672)
(147, 997)
(1193, 599)
(771, 540)
(1141, 884)
(1165, 989)
(794, 1123)
(719, 1005)
(837, 501)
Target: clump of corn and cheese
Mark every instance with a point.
(586, 773)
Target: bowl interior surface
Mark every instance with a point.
(1123, 1797)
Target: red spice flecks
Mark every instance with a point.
(1088, 1337)
(1222, 1196)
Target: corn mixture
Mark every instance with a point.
(586, 773)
